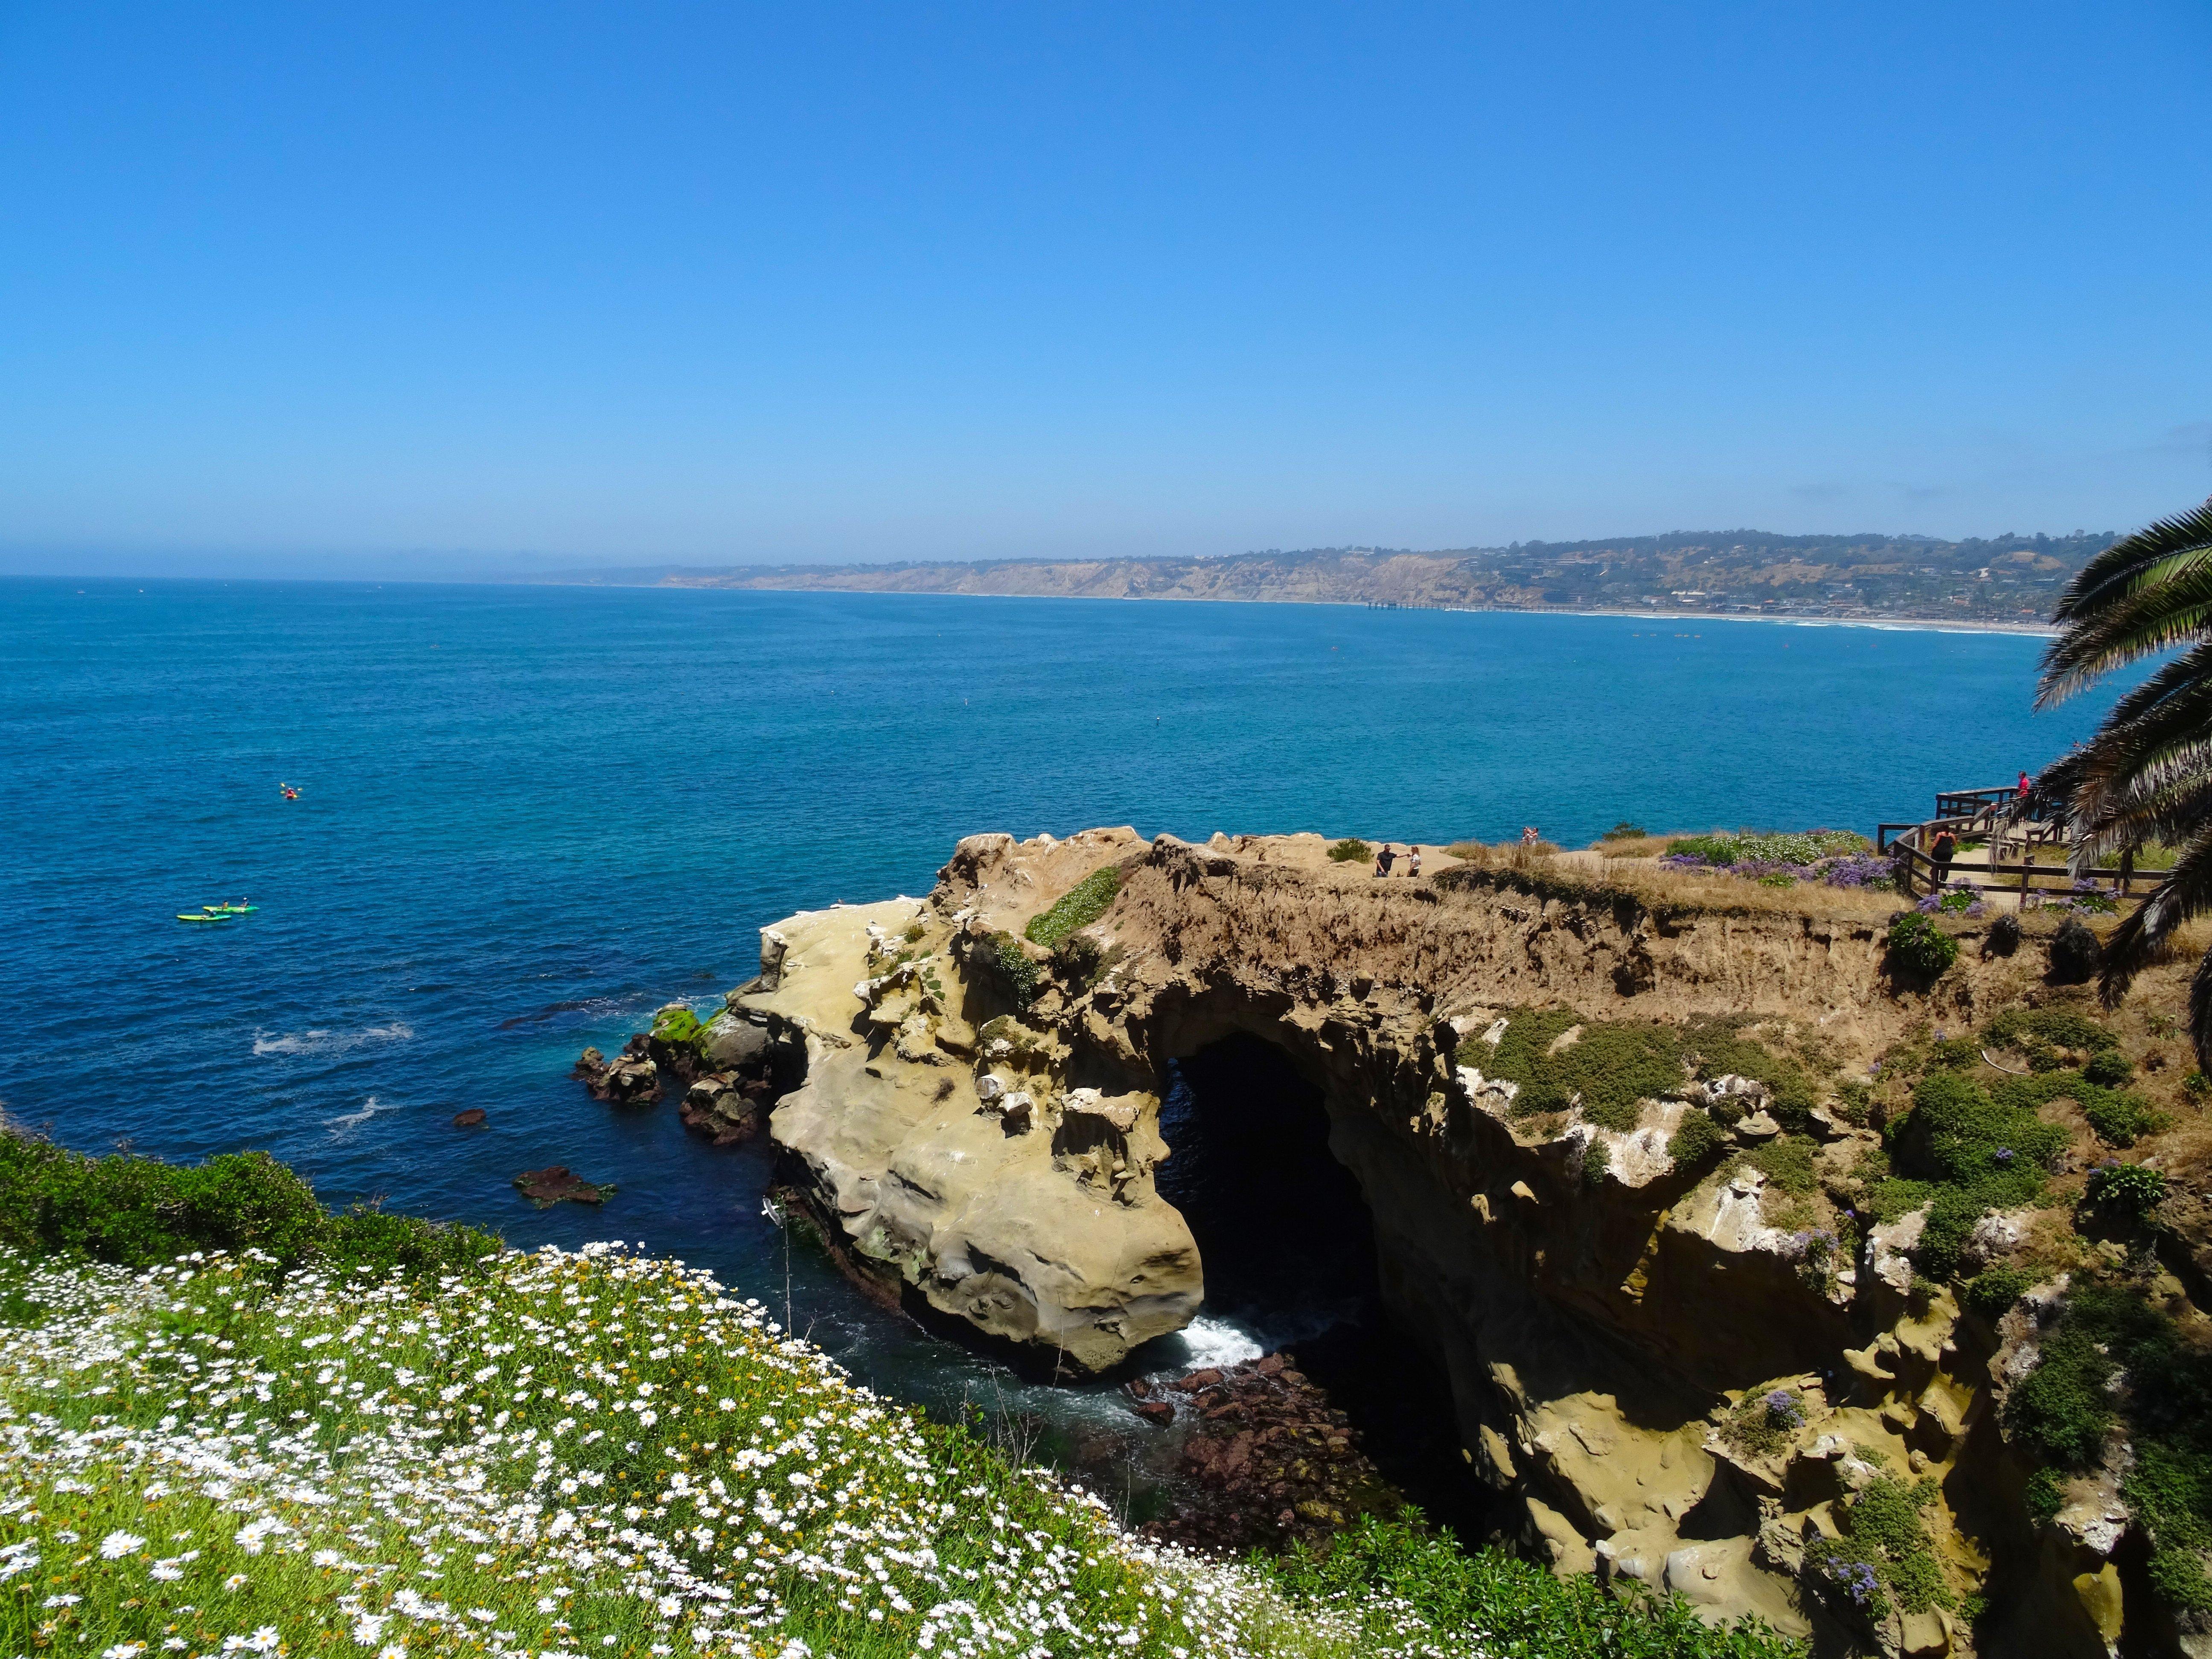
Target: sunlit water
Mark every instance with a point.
(527, 816)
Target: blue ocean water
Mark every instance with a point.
(528, 816)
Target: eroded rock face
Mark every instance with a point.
(978, 1127)
(999, 1196)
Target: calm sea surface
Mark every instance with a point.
(529, 816)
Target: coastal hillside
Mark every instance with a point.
(2003, 580)
(232, 1424)
(1779, 1246)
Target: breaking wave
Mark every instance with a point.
(330, 1042)
(343, 1125)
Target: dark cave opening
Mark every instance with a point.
(1288, 1247)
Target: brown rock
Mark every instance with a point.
(471, 1119)
(556, 1182)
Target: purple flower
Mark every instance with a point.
(1856, 1579)
(2004, 1155)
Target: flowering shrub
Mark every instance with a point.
(1836, 858)
(1763, 1424)
(1961, 900)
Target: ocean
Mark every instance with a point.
(527, 816)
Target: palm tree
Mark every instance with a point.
(2146, 774)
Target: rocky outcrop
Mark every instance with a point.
(978, 1126)
(631, 1078)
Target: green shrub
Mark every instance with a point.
(1992, 1291)
(1918, 947)
(1786, 1161)
(2134, 1189)
(1349, 851)
(1695, 1140)
(2045, 1495)
(2061, 1411)
(1716, 1048)
(1611, 1065)
(2110, 1067)
(2196, 1086)
(1507, 1605)
(1626, 831)
(1078, 906)
(2122, 1117)
(1884, 1521)
(1964, 1154)
(2170, 1489)
(1019, 973)
(139, 1211)
(2029, 1029)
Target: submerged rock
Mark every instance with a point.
(556, 1182)
(471, 1119)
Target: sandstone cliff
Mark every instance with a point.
(1691, 1371)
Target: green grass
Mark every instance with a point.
(1509, 1606)
(1078, 906)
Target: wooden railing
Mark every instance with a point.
(1969, 813)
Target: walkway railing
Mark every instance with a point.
(1970, 814)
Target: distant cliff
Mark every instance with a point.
(2005, 579)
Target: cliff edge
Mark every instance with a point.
(1664, 1188)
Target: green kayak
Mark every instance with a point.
(181, 916)
(230, 909)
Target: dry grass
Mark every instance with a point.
(1595, 878)
(1635, 847)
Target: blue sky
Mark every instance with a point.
(307, 287)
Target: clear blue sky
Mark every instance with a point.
(304, 287)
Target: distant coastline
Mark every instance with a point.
(1899, 621)
(2008, 584)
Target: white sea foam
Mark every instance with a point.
(342, 1127)
(330, 1043)
(1216, 1342)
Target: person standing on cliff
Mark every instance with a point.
(1382, 859)
(1414, 861)
(1946, 849)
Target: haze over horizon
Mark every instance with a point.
(312, 292)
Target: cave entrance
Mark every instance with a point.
(1288, 1247)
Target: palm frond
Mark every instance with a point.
(2123, 566)
(2172, 608)
(2184, 892)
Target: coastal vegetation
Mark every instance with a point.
(1077, 908)
(1349, 851)
(468, 1449)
